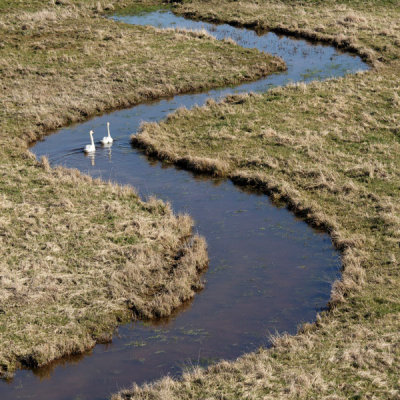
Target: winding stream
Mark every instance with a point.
(268, 270)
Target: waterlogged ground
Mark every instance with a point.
(268, 271)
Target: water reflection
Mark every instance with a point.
(107, 150)
(91, 157)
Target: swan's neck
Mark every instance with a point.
(108, 129)
(91, 139)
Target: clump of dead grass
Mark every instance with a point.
(206, 165)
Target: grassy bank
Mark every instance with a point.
(330, 152)
(78, 256)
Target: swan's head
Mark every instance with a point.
(108, 124)
(91, 133)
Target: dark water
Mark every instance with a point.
(268, 270)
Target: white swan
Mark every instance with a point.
(90, 148)
(107, 139)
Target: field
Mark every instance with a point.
(80, 256)
(330, 152)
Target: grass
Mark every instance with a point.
(330, 151)
(80, 256)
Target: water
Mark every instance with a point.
(268, 270)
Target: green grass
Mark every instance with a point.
(141, 8)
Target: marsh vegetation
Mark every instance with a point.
(327, 150)
(66, 279)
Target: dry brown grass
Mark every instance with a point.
(79, 256)
(330, 152)
(106, 65)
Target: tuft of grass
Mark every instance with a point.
(79, 256)
(137, 8)
(329, 150)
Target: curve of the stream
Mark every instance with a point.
(268, 272)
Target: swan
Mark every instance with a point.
(90, 148)
(107, 139)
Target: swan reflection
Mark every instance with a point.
(91, 156)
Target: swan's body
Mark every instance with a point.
(107, 139)
(90, 148)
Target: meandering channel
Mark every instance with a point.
(268, 270)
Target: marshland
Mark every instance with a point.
(83, 254)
